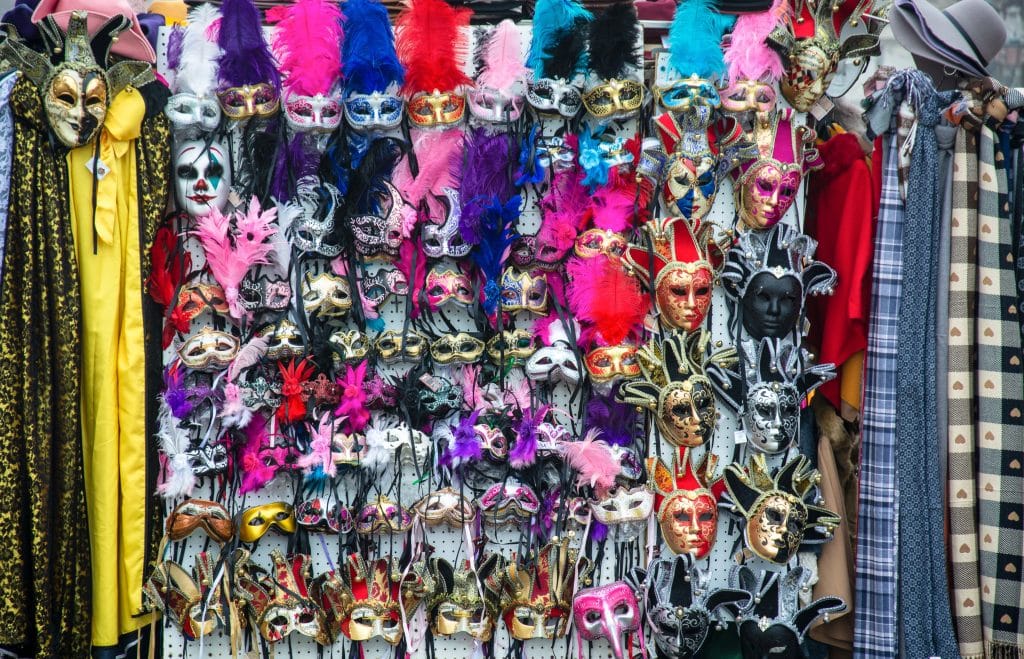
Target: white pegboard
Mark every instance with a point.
(450, 544)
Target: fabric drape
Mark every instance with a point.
(6, 147)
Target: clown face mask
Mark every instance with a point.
(76, 102)
(771, 305)
(609, 612)
(202, 177)
(809, 70)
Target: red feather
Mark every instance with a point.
(432, 46)
(167, 267)
(605, 297)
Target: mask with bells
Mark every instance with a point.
(459, 604)
(774, 623)
(536, 596)
(770, 401)
(379, 592)
(675, 389)
(687, 509)
(767, 186)
(779, 519)
(607, 612)
(680, 604)
(279, 603)
(681, 267)
(770, 274)
(184, 598)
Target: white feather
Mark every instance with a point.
(174, 442)
(282, 246)
(197, 70)
(379, 453)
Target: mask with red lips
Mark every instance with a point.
(202, 177)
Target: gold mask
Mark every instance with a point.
(461, 348)
(76, 104)
(515, 346)
(209, 350)
(606, 363)
(810, 70)
(326, 295)
(436, 109)
(260, 100)
(254, 522)
(349, 346)
(393, 346)
(614, 99)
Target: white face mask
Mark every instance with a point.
(202, 177)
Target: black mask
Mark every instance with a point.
(771, 306)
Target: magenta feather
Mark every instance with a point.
(439, 156)
(485, 178)
(412, 250)
(353, 399)
(614, 207)
(593, 462)
(307, 43)
(230, 254)
(749, 57)
(564, 210)
(256, 470)
(603, 295)
(503, 65)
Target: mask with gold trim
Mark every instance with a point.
(446, 506)
(326, 295)
(624, 511)
(557, 57)
(614, 88)
(524, 291)
(247, 101)
(459, 603)
(444, 239)
(284, 340)
(445, 285)
(607, 363)
(209, 350)
(594, 242)
(460, 348)
(436, 109)
(379, 592)
(185, 599)
(349, 346)
(383, 516)
(279, 603)
(511, 347)
(394, 346)
(687, 509)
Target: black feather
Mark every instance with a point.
(562, 59)
(614, 40)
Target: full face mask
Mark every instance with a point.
(326, 295)
(779, 521)
(767, 186)
(373, 112)
(313, 114)
(379, 592)
(459, 603)
(555, 96)
(444, 239)
(445, 285)
(436, 109)
(675, 389)
(280, 603)
(681, 267)
(608, 612)
(774, 624)
(687, 509)
(536, 598)
(311, 212)
(681, 605)
(770, 274)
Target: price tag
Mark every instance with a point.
(740, 437)
(97, 167)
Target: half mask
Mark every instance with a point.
(609, 612)
(459, 603)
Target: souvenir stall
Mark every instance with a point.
(451, 329)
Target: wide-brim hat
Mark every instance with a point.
(965, 37)
(131, 44)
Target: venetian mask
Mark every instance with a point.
(524, 291)
(445, 239)
(377, 593)
(311, 212)
(393, 346)
(607, 612)
(445, 506)
(446, 285)
(511, 347)
(373, 112)
(607, 363)
(748, 96)
(594, 242)
(552, 95)
(687, 509)
(320, 114)
(809, 70)
(692, 183)
(688, 94)
(255, 522)
(383, 516)
(491, 105)
(349, 346)
(188, 111)
(379, 235)
(209, 350)
(76, 103)
(260, 100)
(459, 606)
(772, 305)
(614, 99)
(554, 363)
(683, 294)
(436, 109)
(326, 295)
(202, 177)
(460, 348)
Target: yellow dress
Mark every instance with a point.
(109, 243)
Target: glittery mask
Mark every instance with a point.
(687, 509)
(264, 293)
(688, 94)
(281, 604)
(446, 285)
(512, 347)
(460, 605)
(436, 109)
(394, 346)
(247, 101)
(349, 346)
(284, 340)
(373, 112)
(383, 283)
(460, 348)
(608, 612)
(187, 111)
(445, 240)
(209, 350)
(614, 99)
(552, 95)
(809, 69)
(487, 104)
(317, 114)
(510, 502)
(312, 211)
(524, 291)
(607, 363)
(325, 295)
(383, 516)
(748, 96)
(377, 593)
(380, 235)
(446, 506)
(594, 242)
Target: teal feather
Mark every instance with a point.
(695, 39)
(551, 18)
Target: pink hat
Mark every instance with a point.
(131, 44)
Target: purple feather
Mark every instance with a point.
(175, 42)
(466, 447)
(246, 59)
(598, 531)
(175, 394)
(485, 177)
(294, 161)
(617, 421)
(524, 453)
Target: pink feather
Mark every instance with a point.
(439, 156)
(321, 438)
(550, 329)
(406, 253)
(257, 471)
(503, 58)
(614, 206)
(230, 254)
(593, 461)
(564, 211)
(353, 399)
(604, 296)
(250, 355)
(749, 57)
(307, 43)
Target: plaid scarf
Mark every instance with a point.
(999, 431)
(960, 398)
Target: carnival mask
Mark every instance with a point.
(688, 95)
(459, 606)
(445, 239)
(446, 285)
(492, 441)
(312, 211)
(770, 416)
(511, 347)
(188, 111)
(772, 305)
(283, 340)
(510, 502)
(76, 104)
(687, 509)
(395, 346)
(326, 295)
(614, 99)
(411, 447)
(264, 293)
(383, 516)
(692, 183)
(460, 348)
(321, 516)
(378, 592)
(624, 510)
(609, 612)
(607, 363)
(186, 600)
(809, 70)
(380, 235)
(373, 112)
(378, 286)
(491, 105)
(748, 96)
(524, 291)
(208, 459)
(260, 100)
(349, 346)
(445, 506)
(554, 363)
(202, 177)
(282, 605)
(551, 95)
(594, 242)
(209, 350)
(319, 114)
(253, 523)
(194, 300)
(194, 514)
(436, 109)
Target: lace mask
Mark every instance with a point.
(184, 598)
(312, 211)
(675, 389)
(624, 511)
(614, 99)
(457, 605)
(445, 240)
(202, 177)
(555, 96)
(394, 346)
(186, 111)
(412, 447)
(461, 348)
(265, 293)
(378, 593)
(608, 612)
(373, 112)
(349, 346)
(253, 523)
(438, 108)
(194, 300)
(208, 460)
(608, 363)
(383, 516)
(493, 442)
(687, 509)
(281, 604)
(446, 285)
(446, 507)
(316, 114)
(379, 286)
(239, 103)
(524, 291)
(284, 340)
(208, 350)
(778, 519)
(680, 604)
(509, 503)
(380, 236)
(325, 295)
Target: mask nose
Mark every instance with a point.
(774, 306)
(201, 185)
(610, 626)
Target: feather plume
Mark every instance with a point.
(249, 355)
(695, 39)
(246, 58)
(307, 43)
(412, 250)
(593, 462)
(432, 46)
(564, 211)
(555, 22)
(168, 265)
(378, 454)
(174, 442)
(230, 254)
(484, 179)
(615, 420)
(439, 154)
(175, 395)
(256, 470)
(615, 206)
(604, 296)
(465, 447)
(614, 37)
(566, 57)
(370, 62)
(550, 329)
(503, 58)
(524, 452)
(749, 56)
(233, 413)
(200, 53)
(319, 461)
(352, 405)
(490, 254)
(175, 43)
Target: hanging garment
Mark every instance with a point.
(960, 388)
(111, 240)
(6, 146)
(999, 431)
(44, 593)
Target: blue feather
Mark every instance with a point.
(551, 18)
(496, 238)
(695, 38)
(368, 54)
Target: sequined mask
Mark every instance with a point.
(614, 99)
(313, 114)
(380, 235)
(247, 101)
(446, 285)
(524, 291)
(555, 96)
(312, 211)
(444, 239)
